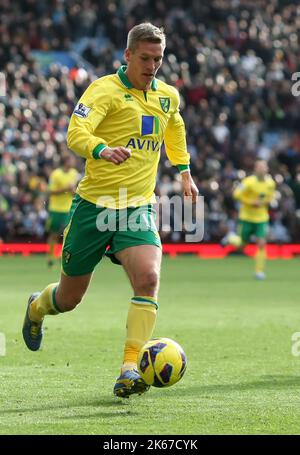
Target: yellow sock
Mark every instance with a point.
(44, 304)
(260, 259)
(235, 240)
(51, 250)
(140, 325)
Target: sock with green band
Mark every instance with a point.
(140, 325)
(44, 304)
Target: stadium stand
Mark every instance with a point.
(232, 62)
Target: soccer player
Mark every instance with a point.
(118, 126)
(62, 185)
(254, 194)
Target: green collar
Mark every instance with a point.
(125, 81)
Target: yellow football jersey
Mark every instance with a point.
(250, 191)
(111, 112)
(59, 179)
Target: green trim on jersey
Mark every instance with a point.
(183, 167)
(246, 229)
(97, 150)
(87, 237)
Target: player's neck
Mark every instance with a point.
(260, 177)
(135, 83)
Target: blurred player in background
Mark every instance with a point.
(254, 193)
(118, 126)
(62, 186)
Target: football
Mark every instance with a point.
(161, 362)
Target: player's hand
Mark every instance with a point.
(71, 189)
(116, 155)
(190, 189)
(257, 204)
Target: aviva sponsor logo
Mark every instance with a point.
(143, 144)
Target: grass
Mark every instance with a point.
(241, 377)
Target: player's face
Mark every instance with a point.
(69, 162)
(261, 168)
(143, 64)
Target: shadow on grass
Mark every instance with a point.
(267, 382)
(113, 406)
(96, 415)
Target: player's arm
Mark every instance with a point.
(90, 111)
(242, 194)
(66, 189)
(175, 144)
(55, 187)
(73, 185)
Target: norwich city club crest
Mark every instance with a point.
(165, 104)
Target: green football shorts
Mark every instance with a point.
(57, 221)
(247, 229)
(97, 231)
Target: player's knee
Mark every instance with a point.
(261, 243)
(148, 282)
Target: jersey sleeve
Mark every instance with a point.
(89, 112)
(175, 138)
(242, 193)
(75, 177)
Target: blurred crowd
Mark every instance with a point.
(232, 62)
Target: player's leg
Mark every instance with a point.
(52, 240)
(235, 238)
(142, 265)
(55, 226)
(83, 248)
(260, 257)
(240, 238)
(54, 299)
(138, 249)
(60, 297)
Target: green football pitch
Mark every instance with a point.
(241, 378)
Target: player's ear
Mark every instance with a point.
(127, 54)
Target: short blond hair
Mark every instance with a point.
(145, 32)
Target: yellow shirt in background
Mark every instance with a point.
(59, 179)
(251, 190)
